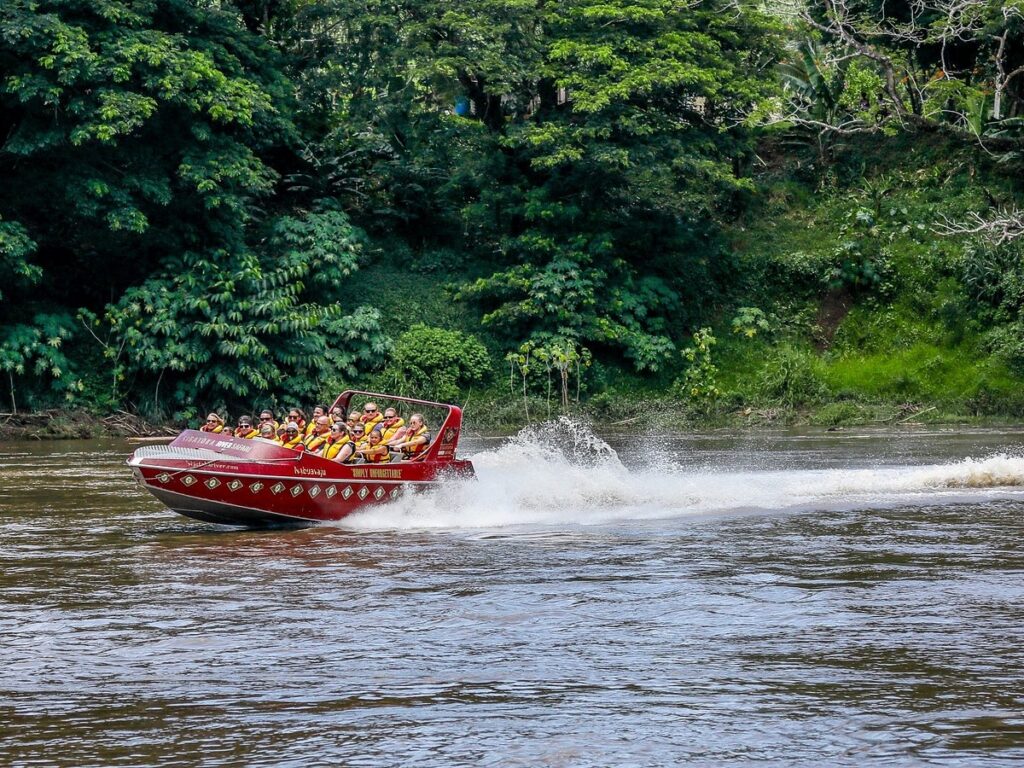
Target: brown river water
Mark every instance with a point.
(849, 598)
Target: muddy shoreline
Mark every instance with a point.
(56, 424)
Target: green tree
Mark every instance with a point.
(435, 363)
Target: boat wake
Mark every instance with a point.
(560, 473)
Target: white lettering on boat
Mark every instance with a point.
(309, 472)
(209, 442)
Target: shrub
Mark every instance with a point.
(790, 377)
(435, 363)
(699, 384)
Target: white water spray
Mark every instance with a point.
(561, 474)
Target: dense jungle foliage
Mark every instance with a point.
(736, 207)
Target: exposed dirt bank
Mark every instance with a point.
(76, 425)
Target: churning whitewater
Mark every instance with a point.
(561, 474)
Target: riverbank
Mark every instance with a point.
(55, 424)
(495, 415)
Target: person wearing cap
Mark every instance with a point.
(214, 424)
(244, 429)
(292, 437)
(269, 433)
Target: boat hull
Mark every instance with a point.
(253, 483)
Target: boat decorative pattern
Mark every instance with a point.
(361, 491)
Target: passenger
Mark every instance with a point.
(267, 417)
(356, 441)
(268, 433)
(374, 450)
(337, 414)
(318, 411)
(390, 425)
(228, 431)
(371, 416)
(214, 423)
(244, 429)
(415, 440)
(292, 437)
(298, 416)
(337, 440)
(318, 438)
(353, 419)
(399, 436)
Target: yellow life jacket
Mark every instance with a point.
(308, 432)
(371, 422)
(295, 445)
(248, 435)
(415, 450)
(389, 427)
(315, 443)
(377, 454)
(216, 430)
(331, 450)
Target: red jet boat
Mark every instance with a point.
(255, 483)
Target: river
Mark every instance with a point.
(787, 598)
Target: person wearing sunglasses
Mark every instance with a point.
(415, 440)
(267, 417)
(336, 440)
(371, 417)
(357, 439)
(390, 425)
(316, 440)
(214, 424)
(269, 433)
(292, 437)
(244, 429)
(298, 416)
